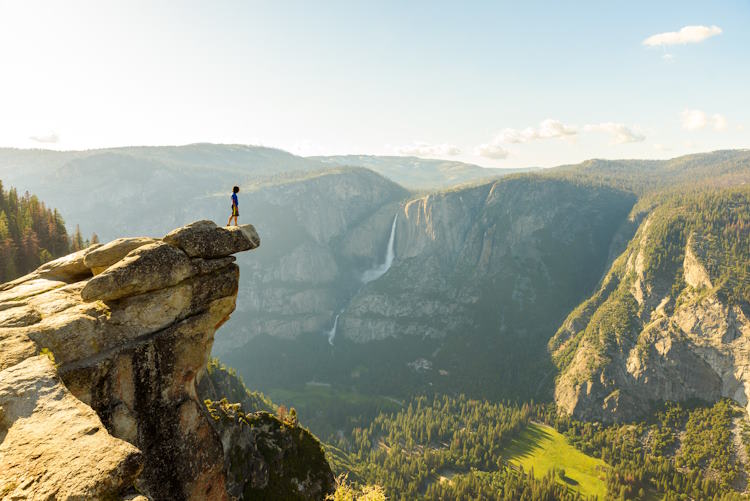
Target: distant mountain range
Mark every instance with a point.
(177, 178)
(420, 174)
(483, 273)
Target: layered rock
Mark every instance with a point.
(113, 404)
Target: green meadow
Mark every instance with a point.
(542, 448)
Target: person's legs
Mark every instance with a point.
(229, 220)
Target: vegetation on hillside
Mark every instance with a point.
(448, 448)
(679, 451)
(345, 491)
(713, 224)
(458, 448)
(718, 169)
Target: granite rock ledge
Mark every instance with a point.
(100, 353)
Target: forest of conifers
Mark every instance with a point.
(31, 234)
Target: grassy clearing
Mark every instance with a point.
(542, 448)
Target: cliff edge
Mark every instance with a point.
(100, 354)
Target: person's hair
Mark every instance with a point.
(236, 189)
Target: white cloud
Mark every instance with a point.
(423, 149)
(668, 58)
(547, 129)
(620, 133)
(51, 137)
(662, 147)
(719, 122)
(697, 120)
(686, 35)
(694, 119)
(491, 150)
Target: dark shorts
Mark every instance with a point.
(235, 211)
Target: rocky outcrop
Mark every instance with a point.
(266, 457)
(269, 458)
(100, 353)
(670, 320)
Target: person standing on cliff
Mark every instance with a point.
(235, 206)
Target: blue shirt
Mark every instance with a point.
(234, 199)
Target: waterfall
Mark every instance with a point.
(379, 271)
(332, 332)
(370, 275)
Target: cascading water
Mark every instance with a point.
(381, 270)
(372, 274)
(332, 332)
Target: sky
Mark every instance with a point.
(499, 84)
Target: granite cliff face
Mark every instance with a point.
(485, 258)
(481, 276)
(100, 353)
(511, 247)
(671, 320)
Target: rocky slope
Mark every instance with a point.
(671, 320)
(100, 352)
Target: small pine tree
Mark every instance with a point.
(76, 241)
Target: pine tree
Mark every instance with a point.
(77, 242)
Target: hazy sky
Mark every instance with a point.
(503, 84)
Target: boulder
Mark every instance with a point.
(105, 256)
(150, 267)
(205, 239)
(67, 268)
